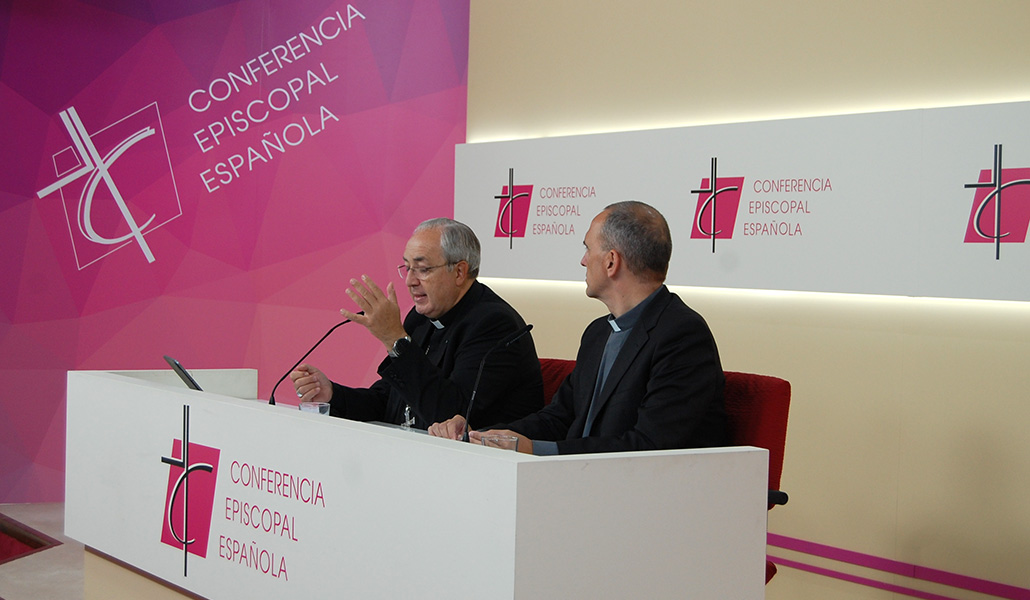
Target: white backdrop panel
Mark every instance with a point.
(870, 203)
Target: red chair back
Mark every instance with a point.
(554, 370)
(757, 407)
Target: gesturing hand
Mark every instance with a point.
(382, 315)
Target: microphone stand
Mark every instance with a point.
(504, 343)
(271, 397)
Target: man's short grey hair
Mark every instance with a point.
(641, 234)
(458, 242)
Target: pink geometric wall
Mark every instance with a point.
(243, 242)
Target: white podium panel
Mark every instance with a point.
(284, 504)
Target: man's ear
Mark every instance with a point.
(612, 262)
(461, 272)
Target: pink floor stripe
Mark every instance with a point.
(897, 589)
(973, 584)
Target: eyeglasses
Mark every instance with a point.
(420, 272)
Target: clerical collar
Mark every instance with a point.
(630, 317)
(463, 306)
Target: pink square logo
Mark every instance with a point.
(718, 199)
(189, 497)
(1001, 206)
(1000, 212)
(513, 209)
(715, 215)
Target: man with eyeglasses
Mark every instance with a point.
(434, 355)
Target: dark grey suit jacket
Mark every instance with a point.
(664, 390)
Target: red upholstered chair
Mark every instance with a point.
(554, 370)
(757, 407)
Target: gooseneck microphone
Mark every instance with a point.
(271, 397)
(504, 343)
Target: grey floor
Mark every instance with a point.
(51, 574)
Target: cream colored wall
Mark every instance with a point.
(109, 580)
(555, 67)
(906, 437)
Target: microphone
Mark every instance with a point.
(271, 397)
(504, 343)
